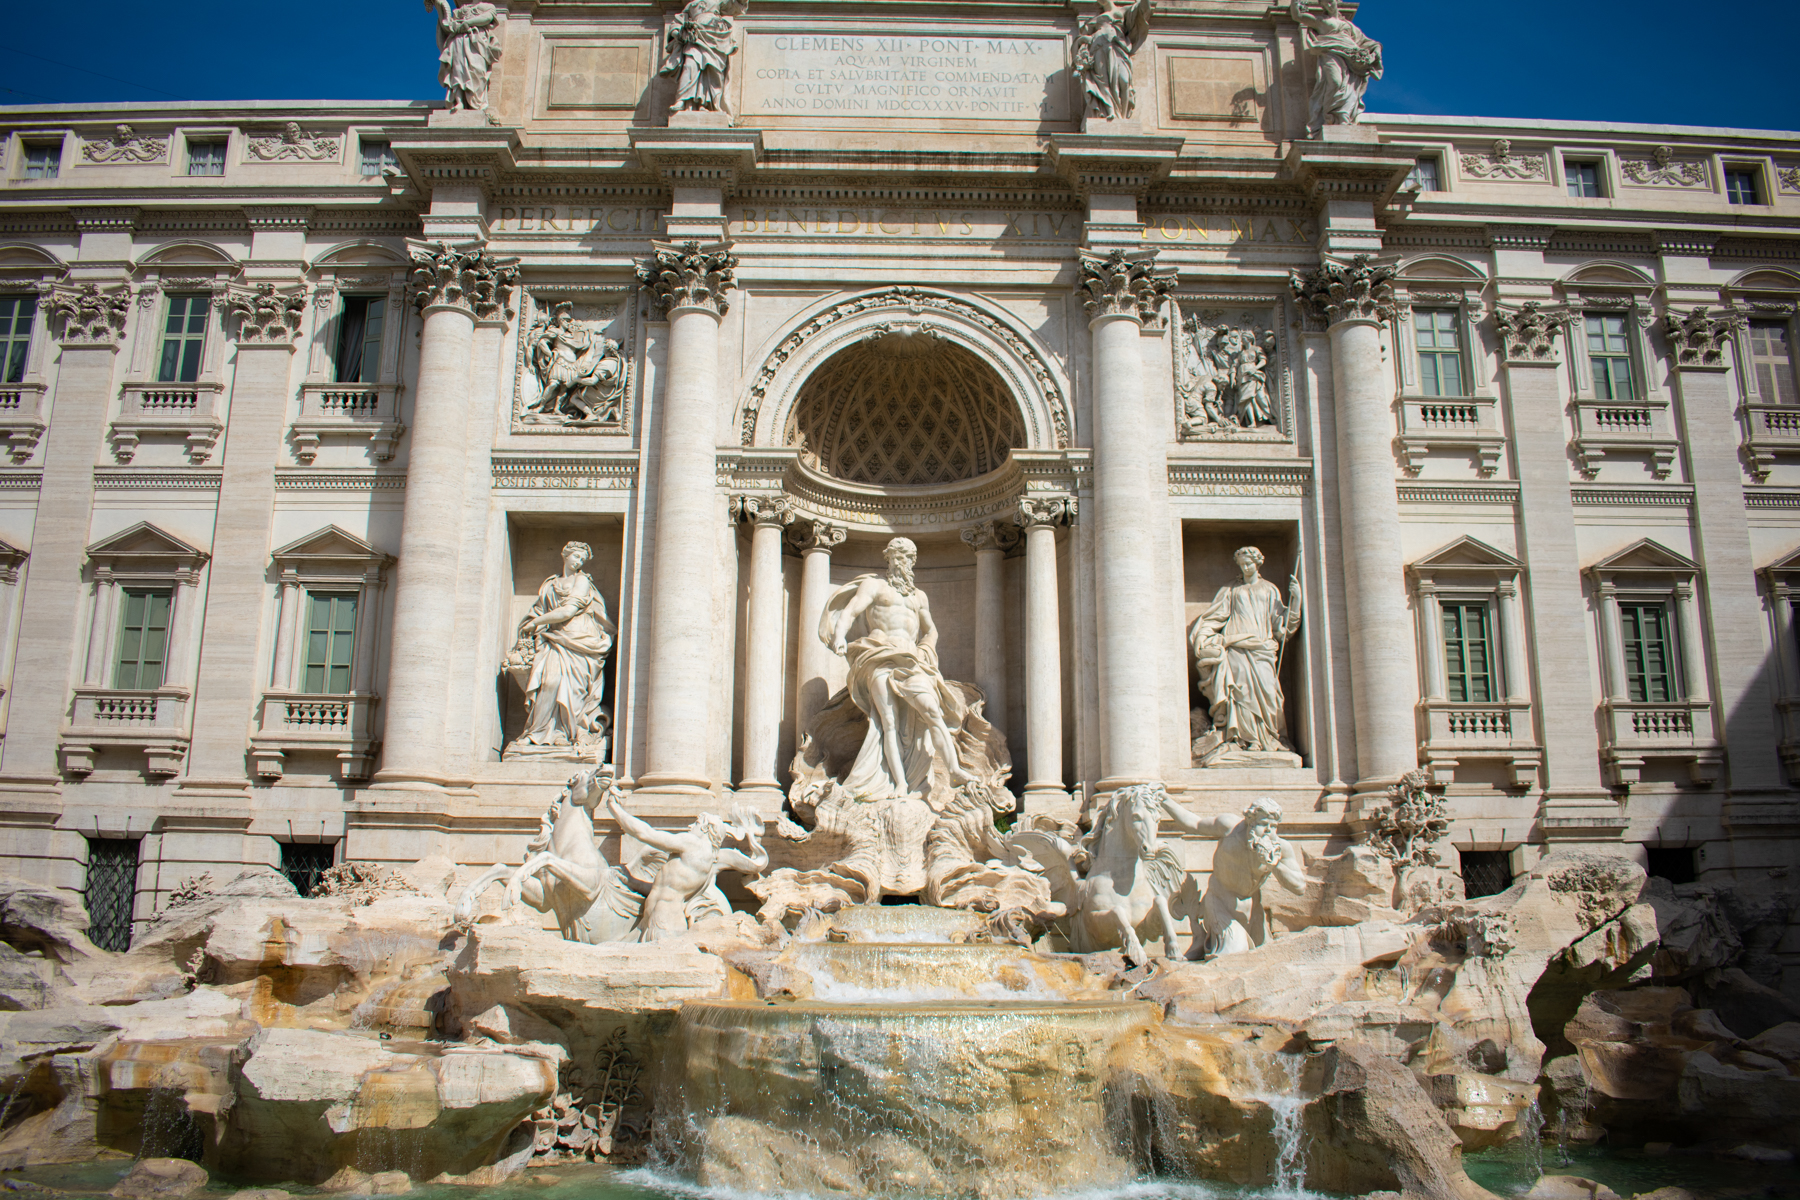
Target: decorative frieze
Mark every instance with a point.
(90, 316)
(1663, 171)
(1528, 333)
(1125, 283)
(1239, 479)
(266, 315)
(1501, 163)
(689, 275)
(1359, 290)
(1700, 338)
(294, 144)
(125, 146)
(465, 276)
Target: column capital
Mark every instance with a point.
(778, 510)
(1125, 283)
(1528, 333)
(462, 276)
(1698, 338)
(267, 316)
(689, 275)
(813, 534)
(90, 317)
(1359, 290)
(1046, 511)
(1506, 586)
(990, 535)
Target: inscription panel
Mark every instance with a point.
(986, 77)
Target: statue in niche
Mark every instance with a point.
(1237, 643)
(1103, 49)
(1222, 377)
(1346, 60)
(580, 374)
(687, 866)
(467, 51)
(700, 47)
(900, 776)
(1250, 850)
(558, 660)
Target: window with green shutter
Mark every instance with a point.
(330, 642)
(1609, 353)
(1440, 352)
(1649, 653)
(184, 338)
(16, 316)
(143, 640)
(1468, 653)
(359, 339)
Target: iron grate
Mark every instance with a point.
(1486, 872)
(304, 862)
(111, 891)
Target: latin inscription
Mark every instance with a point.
(987, 78)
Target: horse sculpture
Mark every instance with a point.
(1129, 875)
(563, 872)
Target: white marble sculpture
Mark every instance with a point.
(1222, 376)
(563, 872)
(687, 865)
(699, 50)
(468, 48)
(1345, 60)
(580, 373)
(559, 662)
(1237, 643)
(1118, 878)
(1251, 849)
(1103, 50)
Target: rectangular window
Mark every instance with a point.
(330, 642)
(16, 316)
(1649, 653)
(1425, 175)
(1740, 187)
(206, 158)
(1771, 361)
(1440, 351)
(1485, 872)
(112, 867)
(1609, 354)
(376, 156)
(143, 640)
(184, 339)
(1673, 863)
(42, 159)
(1468, 653)
(1583, 178)
(359, 339)
(304, 862)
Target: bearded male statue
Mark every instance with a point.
(1250, 851)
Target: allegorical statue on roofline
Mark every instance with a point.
(1103, 49)
(698, 53)
(1345, 59)
(467, 51)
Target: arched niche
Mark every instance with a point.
(994, 338)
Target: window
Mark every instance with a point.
(1468, 653)
(1771, 361)
(1425, 175)
(330, 642)
(1440, 351)
(111, 888)
(1649, 657)
(16, 314)
(1583, 178)
(1485, 872)
(42, 159)
(1673, 863)
(1740, 187)
(184, 337)
(359, 339)
(1609, 354)
(143, 640)
(206, 158)
(376, 156)
(304, 862)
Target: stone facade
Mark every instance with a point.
(287, 440)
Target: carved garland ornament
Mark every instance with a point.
(1788, 178)
(690, 275)
(915, 301)
(1528, 333)
(294, 144)
(125, 146)
(1125, 283)
(1699, 338)
(1500, 163)
(267, 316)
(1359, 290)
(90, 316)
(1664, 171)
(465, 276)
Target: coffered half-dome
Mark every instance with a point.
(906, 408)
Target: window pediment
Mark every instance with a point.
(330, 549)
(146, 549)
(1644, 558)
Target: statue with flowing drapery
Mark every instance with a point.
(1103, 50)
(467, 51)
(559, 660)
(1237, 642)
(1345, 58)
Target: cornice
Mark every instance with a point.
(306, 479)
(1631, 495)
(1764, 497)
(12, 479)
(1459, 493)
(1254, 477)
(143, 479)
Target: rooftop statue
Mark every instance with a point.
(1345, 58)
(699, 51)
(558, 661)
(1237, 642)
(1103, 50)
(1250, 850)
(467, 51)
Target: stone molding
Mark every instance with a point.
(1623, 495)
(90, 317)
(1359, 290)
(13, 479)
(1125, 283)
(1520, 237)
(462, 276)
(1458, 493)
(134, 479)
(1043, 510)
(266, 315)
(1205, 478)
(1528, 333)
(1693, 243)
(689, 275)
(1700, 339)
(307, 480)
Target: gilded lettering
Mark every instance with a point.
(617, 212)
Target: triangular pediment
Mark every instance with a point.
(10, 553)
(1787, 564)
(330, 542)
(1646, 555)
(1467, 553)
(144, 540)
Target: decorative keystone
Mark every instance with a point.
(465, 276)
(90, 316)
(1359, 290)
(1528, 333)
(1125, 283)
(1699, 338)
(267, 316)
(689, 275)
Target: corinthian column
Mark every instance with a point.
(989, 540)
(689, 282)
(769, 517)
(1353, 299)
(451, 286)
(1044, 789)
(816, 540)
(1121, 290)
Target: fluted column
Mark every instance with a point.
(815, 540)
(989, 540)
(1039, 516)
(451, 286)
(1353, 299)
(769, 517)
(1121, 290)
(688, 282)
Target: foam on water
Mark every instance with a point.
(667, 1184)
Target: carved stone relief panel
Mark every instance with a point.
(574, 371)
(1231, 378)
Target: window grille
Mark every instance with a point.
(1673, 863)
(184, 338)
(304, 862)
(1486, 872)
(16, 316)
(111, 890)
(143, 640)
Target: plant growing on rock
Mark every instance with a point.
(1404, 829)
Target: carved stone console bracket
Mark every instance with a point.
(689, 275)
(1125, 283)
(1699, 338)
(992, 535)
(90, 316)
(1528, 333)
(812, 533)
(1359, 290)
(464, 275)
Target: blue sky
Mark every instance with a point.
(1655, 61)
